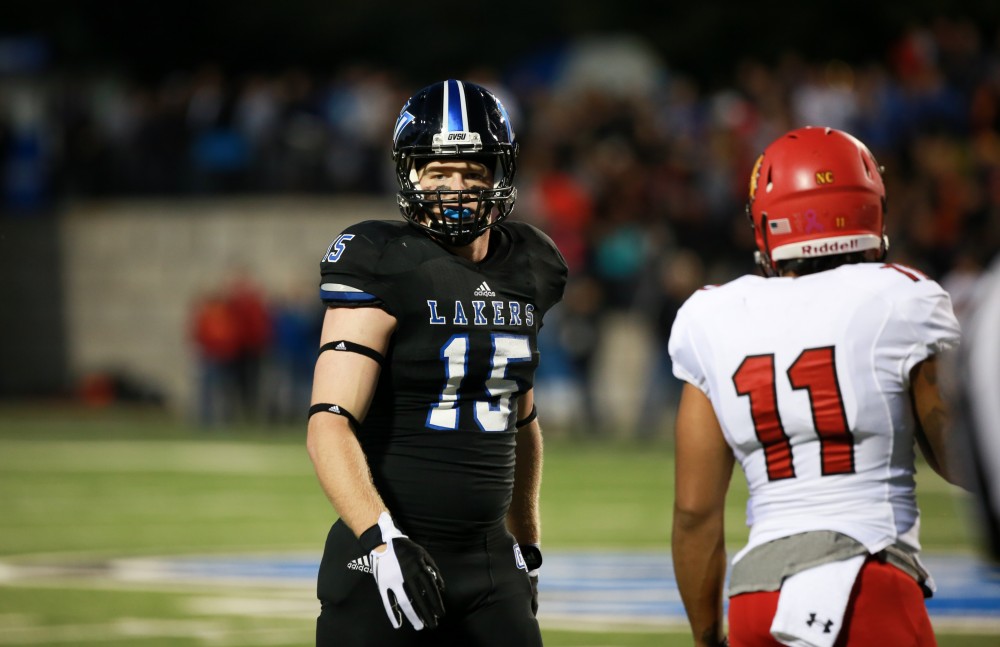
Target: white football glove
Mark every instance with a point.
(408, 579)
(532, 556)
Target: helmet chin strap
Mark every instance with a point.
(763, 258)
(764, 263)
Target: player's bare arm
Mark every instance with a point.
(933, 430)
(704, 468)
(347, 380)
(523, 518)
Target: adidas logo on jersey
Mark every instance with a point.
(363, 564)
(340, 346)
(484, 291)
(334, 409)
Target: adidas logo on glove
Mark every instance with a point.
(363, 564)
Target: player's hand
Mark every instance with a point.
(532, 556)
(408, 579)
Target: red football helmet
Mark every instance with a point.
(816, 192)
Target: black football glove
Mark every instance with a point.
(532, 555)
(408, 579)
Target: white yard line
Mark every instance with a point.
(581, 592)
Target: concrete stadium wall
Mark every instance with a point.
(134, 269)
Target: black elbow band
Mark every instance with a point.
(528, 418)
(344, 346)
(335, 409)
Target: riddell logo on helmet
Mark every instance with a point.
(830, 248)
(824, 177)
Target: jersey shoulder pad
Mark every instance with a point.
(922, 316)
(688, 331)
(531, 237)
(544, 257)
(710, 297)
(685, 361)
(537, 245)
(899, 271)
(350, 267)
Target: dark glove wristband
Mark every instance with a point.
(532, 555)
(371, 539)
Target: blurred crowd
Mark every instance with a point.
(638, 171)
(255, 352)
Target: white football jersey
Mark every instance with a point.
(810, 378)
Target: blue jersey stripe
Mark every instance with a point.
(346, 297)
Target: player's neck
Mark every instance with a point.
(477, 250)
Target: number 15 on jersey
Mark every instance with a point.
(493, 413)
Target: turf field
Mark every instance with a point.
(100, 509)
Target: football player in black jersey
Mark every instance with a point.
(423, 430)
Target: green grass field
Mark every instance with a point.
(81, 489)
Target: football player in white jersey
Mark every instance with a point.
(819, 378)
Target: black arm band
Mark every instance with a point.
(527, 419)
(335, 409)
(345, 346)
(371, 539)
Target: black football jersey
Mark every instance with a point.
(439, 435)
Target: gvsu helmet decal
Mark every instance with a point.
(815, 192)
(461, 120)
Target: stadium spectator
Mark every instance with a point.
(296, 322)
(579, 337)
(673, 276)
(216, 336)
(423, 430)
(611, 164)
(818, 378)
(248, 306)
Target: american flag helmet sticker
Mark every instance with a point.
(779, 226)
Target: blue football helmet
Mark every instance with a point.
(460, 120)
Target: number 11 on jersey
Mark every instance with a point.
(816, 372)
